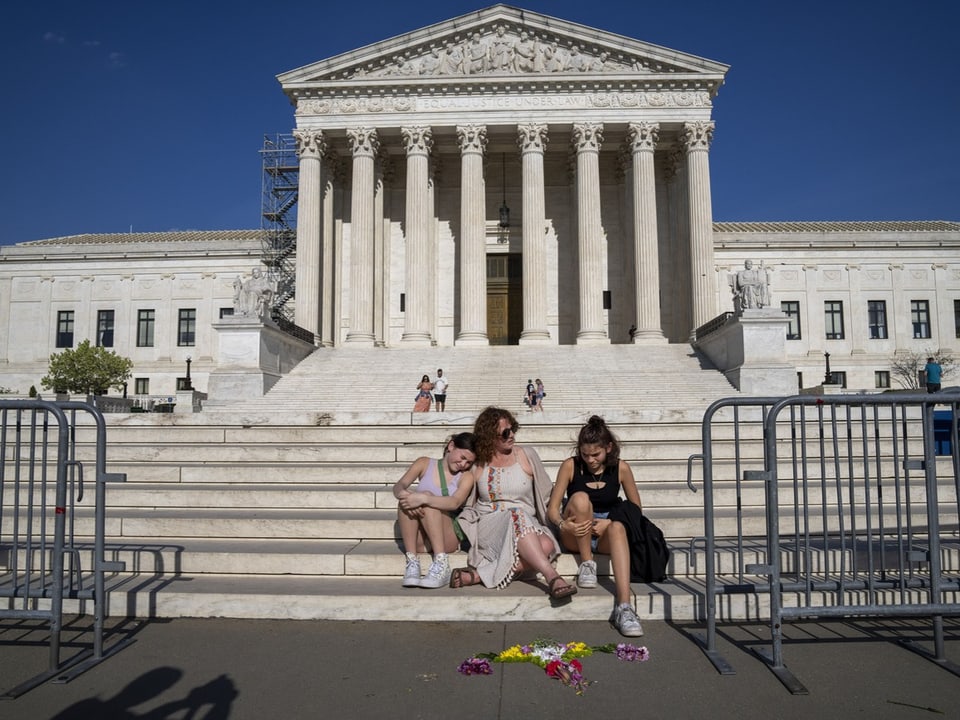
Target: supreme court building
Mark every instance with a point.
(501, 178)
(504, 177)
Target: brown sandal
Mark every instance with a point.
(457, 577)
(559, 593)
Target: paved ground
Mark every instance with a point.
(264, 669)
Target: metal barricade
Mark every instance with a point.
(855, 504)
(42, 484)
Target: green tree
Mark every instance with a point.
(87, 369)
(906, 367)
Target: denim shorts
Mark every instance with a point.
(594, 540)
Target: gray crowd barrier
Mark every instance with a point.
(859, 512)
(42, 549)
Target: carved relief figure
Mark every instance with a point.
(576, 62)
(751, 288)
(552, 58)
(477, 55)
(599, 63)
(431, 62)
(501, 54)
(452, 61)
(524, 53)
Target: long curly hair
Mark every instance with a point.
(596, 432)
(486, 430)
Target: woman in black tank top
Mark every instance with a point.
(588, 487)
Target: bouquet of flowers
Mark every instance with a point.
(560, 661)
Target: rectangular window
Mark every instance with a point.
(833, 319)
(791, 308)
(187, 327)
(141, 386)
(145, 322)
(226, 312)
(877, 319)
(920, 317)
(881, 378)
(956, 317)
(839, 377)
(65, 329)
(105, 328)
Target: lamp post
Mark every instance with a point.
(189, 385)
(828, 377)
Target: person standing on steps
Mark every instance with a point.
(934, 374)
(428, 510)
(587, 489)
(440, 390)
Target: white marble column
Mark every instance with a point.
(587, 138)
(696, 138)
(365, 144)
(311, 145)
(642, 139)
(330, 280)
(532, 140)
(473, 253)
(417, 256)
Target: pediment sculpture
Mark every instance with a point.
(503, 50)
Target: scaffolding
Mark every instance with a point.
(278, 220)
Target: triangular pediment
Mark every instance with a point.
(503, 43)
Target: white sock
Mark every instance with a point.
(440, 558)
(411, 556)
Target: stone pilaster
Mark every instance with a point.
(473, 270)
(587, 138)
(696, 138)
(642, 139)
(532, 140)
(311, 145)
(365, 145)
(417, 258)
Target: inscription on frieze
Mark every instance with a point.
(348, 106)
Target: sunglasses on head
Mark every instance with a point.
(507, 432)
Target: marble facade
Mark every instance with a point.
(597, 144)
(409, 150)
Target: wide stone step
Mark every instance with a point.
(351, 598)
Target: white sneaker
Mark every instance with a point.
(587, 576)
(625, 620)
(438, 575)
(411, 576)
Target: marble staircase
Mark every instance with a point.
(280, 507)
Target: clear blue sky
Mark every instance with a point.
(120, 114)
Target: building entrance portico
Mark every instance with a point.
(595, 144)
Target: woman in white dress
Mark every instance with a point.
(506, 520)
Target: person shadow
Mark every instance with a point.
(217, 695)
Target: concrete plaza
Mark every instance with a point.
(239, 669)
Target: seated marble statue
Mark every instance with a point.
(751, 288)
(254, 297)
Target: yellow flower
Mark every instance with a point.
(578, 650)
(512, 654)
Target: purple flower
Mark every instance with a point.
(475, 666)
(632, 653)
